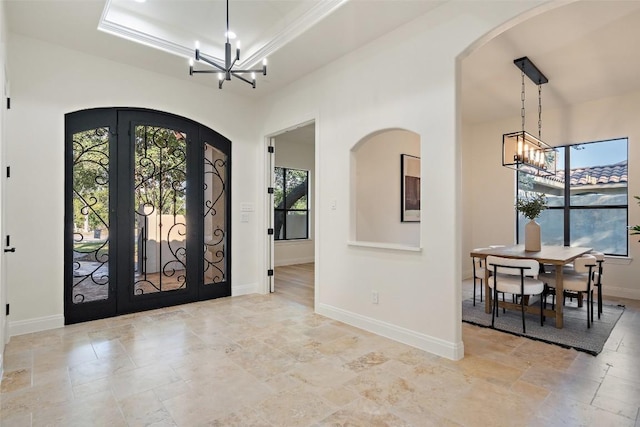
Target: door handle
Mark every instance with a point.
(10, 249)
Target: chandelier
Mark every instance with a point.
(225, 71)
(521, 150)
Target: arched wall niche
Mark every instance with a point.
(377, 189)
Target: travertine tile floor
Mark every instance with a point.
(265, 360)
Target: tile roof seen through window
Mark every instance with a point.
(596, 175)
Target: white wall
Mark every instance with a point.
(298, 155)
(378, 190)
(49, 81)
(419, 292)
(490, 217)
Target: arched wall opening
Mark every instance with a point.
(386, 188)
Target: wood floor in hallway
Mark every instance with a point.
(295, 282)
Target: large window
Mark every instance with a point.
(291, 204)
(587, 197)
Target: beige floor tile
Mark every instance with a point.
(367, 361)
(17, 360)
(208, 401)
(295, 407)
(347, 347)
(213, 370)
(59, 377)
(541, 354)
(580, 388)
(174, 389)
(108, 349)
(127, 383)
(381, 387)
(96, 387)
(98, 410)
(340, 396)
(322, 373)
(363, 413)
(560, 409)
(486, 404)
(16, 420)
(242, 417)
(261, 360)
(193, 409)
(34, 398)
(144, 409)
(488, 369)
(97, 369)
(619, 395)
(15, 380)
(54, 358)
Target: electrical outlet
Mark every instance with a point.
(374, 297)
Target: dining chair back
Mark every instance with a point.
(575, 282)
(518, 277)
(478, 273)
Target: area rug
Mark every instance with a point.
(574, 334)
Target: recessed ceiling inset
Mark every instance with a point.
(175, 25)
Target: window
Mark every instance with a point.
(590, 207)
(291, 204)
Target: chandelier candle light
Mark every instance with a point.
(521, 150)
(225, 71)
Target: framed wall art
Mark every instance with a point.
(410, 188)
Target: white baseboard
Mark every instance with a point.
(21, 327)
(249, 288)
(293, 261)
(620, 292)
(453, 351)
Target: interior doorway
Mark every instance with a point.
(292, 208)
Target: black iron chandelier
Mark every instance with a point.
(521, 150)
(225, 71)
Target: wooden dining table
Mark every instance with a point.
(558, 256)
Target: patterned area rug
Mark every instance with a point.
(574, 334)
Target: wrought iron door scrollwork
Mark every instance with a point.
(214, 213)
(91, 206)
(160, 195)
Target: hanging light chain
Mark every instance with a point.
(540, 111)
(522, 98)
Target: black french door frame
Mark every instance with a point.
(121, 124)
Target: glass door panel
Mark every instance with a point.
(215, 220)
(90, 183)
(160, 201)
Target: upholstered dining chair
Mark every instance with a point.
(478, 274)
(518, 277)
(576, 280)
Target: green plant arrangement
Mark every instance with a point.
(531, 207)
(636, 228)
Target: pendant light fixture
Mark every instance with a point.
(225, 71)
(521, 150)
